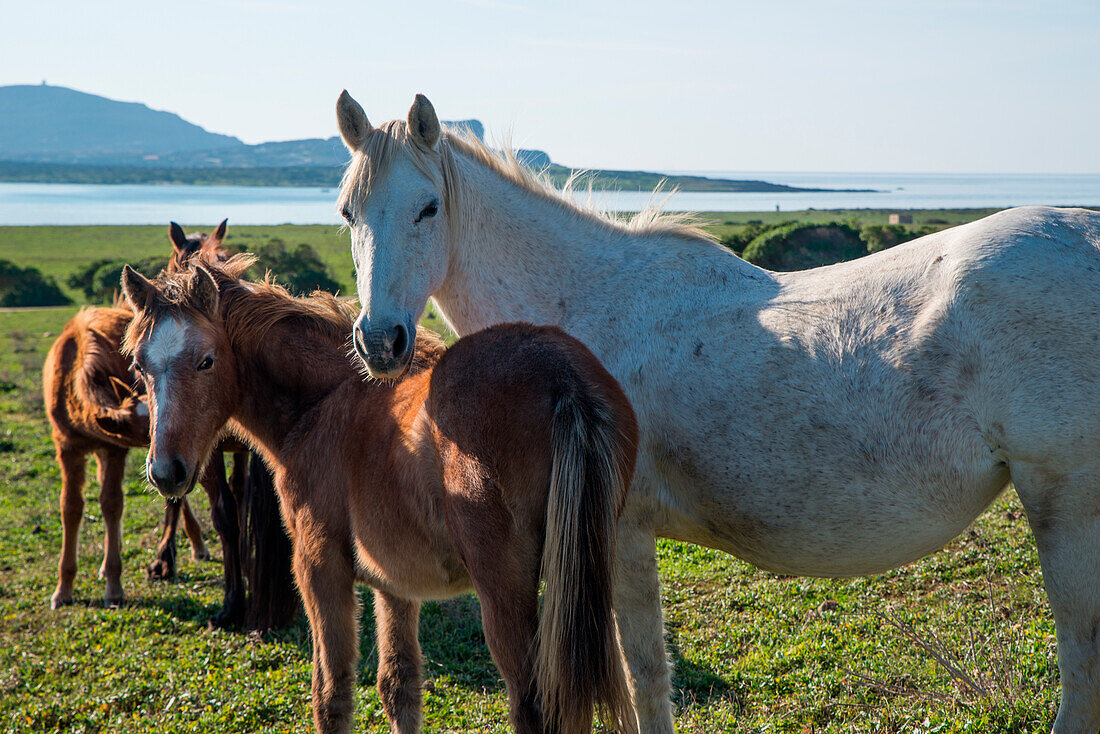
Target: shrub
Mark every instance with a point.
(99, 280)
(884, 236)
(739, 240)
(801, 246)
(301, 269)
(28, 287)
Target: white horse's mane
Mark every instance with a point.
(370, 163)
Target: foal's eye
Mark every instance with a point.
(429, 211)
(205, 364)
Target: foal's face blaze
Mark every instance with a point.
(190, 377)
(399, 245)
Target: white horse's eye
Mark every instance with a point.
(429, 211)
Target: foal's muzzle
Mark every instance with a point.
(386, 351)
(170, 476)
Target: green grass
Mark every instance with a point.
(753, 652)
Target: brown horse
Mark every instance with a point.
(96, 405)
(500, 461)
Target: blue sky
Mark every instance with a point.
(831, 86)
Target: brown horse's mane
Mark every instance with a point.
(251, 308)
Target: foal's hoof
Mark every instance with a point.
(229, 617)
(160, 570)
(113, 596)
(200, 553)
(60, 599)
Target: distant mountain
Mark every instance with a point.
(59, 135)
(56, 124)
(283, 154)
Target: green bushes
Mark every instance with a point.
(99, 280)
(801, 246)
(21, 287)
(792, 245)
(301, 270)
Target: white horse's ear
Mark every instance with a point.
(423, 123)
(137, 288)
(204, 292)
(353, 122)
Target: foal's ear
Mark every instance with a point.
(215, 240)
(177, 235)
(137, 288)
(353, 122)
(423, 123)
(204, 292)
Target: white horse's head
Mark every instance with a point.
(395, 199)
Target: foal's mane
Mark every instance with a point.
(370, 163)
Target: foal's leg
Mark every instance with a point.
(326, 581)
(509, 615)
(193, 528)
(641, 626)
(111, 467)
(1064, 512)
(505, 571)
(164, 562)
(73, 464)
(223, 512)
(400, 667)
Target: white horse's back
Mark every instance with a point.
(848, 419)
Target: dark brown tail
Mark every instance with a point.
(579, 660)
(272, 597)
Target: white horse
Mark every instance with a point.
(833, 422)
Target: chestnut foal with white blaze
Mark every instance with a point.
(832, 422)
(95, 405)
(497, 462)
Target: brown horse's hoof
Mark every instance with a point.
(230, 616)
(200, 554)
(161, 569)
(59, 600)
(113, 596)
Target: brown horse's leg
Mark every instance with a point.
(327, 584)
(72, 512)
(223, 512)
(400, 668)
(111, 466)
(164, 562)
(505, 570)
(509, 616)
(239, 474)
(193, 529)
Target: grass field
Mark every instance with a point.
(753, 652)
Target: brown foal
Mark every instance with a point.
(96, 405)
(493, 464)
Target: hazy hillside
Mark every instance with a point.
(59, 135)
(281, 154)
(45, 123)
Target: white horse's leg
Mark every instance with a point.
(1064, 512)
(641, 626)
